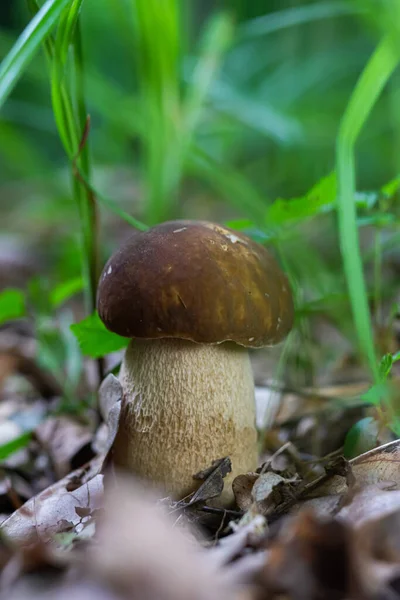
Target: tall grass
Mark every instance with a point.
(369, 87)
(244, 108)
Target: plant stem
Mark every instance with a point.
(86, 197)
(365, 95)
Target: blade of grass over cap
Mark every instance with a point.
(28, 43)
(157, 39)
(237, 189)
(216, 40)
(365, 95)
(111, 204)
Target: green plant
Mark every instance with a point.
(237, 115)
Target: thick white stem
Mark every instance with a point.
(187, 405)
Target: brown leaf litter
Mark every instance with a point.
(302, 528)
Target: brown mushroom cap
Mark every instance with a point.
(198, 281)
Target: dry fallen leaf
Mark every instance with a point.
(54, 510)
(110, 402)
(242, 486)
(309, 559)
(63, 439)
(376, 467)
(213, 480)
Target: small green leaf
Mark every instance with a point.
(65, 290)
(385, 366)
(12, 305)
(240, 224)
(321, 198)
(361, 437)
(376, 394)
(14, 445)
(390, 188)
(396, 356)
(94, 339)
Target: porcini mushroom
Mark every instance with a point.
(194, 297)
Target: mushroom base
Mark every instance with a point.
(186, 405)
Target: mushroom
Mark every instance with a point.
(194, 297)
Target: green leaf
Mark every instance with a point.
(370, 84)
(361, 437)
(94, 339)
(216, 40)
(65, 290)
(12, 305)
(377, 220)
(376, 394)
(240, 224)
(14, 445)
(319, 199)
(391, 187)
(385, 366)
(294, 16)
(28, 43)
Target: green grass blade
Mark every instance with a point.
(293, 16)
(216, 40)
(111, 205)
(367, 91)
(157, 40)
(230, 183)
(70, 114)
(28, 43)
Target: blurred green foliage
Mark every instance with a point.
(235, 111)
(272, 110)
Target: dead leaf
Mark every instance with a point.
(379, 464)
(213, 478)
(371, 502)
(376, 467)
(110, 402)
(242, 486)
(63, 438)
(264, 488)
(309, 559)
(232, 556)
(376, 555)
(54, 510)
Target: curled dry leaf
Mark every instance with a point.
(213, 480)
(110, 402)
